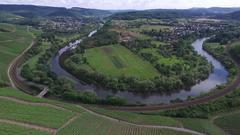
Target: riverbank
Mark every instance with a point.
(155, 98)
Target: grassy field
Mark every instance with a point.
(229, 123)
(8, 129)
(13, 40)
(88, 124)
(85, 124)
(202, 125)
(139, 118)
(10, 92)
(40, 115)
(116, 60)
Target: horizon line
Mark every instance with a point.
(119, 9)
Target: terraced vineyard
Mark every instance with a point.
(37, 116)
(40, 115)
(229, 123)
(88, 124)
(8, 129)
(13, 40)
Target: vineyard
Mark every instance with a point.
(88, 124)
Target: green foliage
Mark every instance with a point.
(229, 123)
(220, 52)
(205, 110)
(202, 125)
(10, 92)
(8, 129)
(12, 43)
(42, 115)
(117, 61)
(88, 124)
(137, 117)
(235, 50)
(104, 36)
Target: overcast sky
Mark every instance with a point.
(129, 4)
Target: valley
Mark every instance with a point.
(77, 71)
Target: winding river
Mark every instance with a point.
(217, 77)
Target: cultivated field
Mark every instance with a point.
(229, 123)
(116, 60)
(9, 129)
(40, 115)
(88, 124)
(205, 126)
(13, 40)
(202, 125)
(62, 118)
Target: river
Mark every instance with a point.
(217, 77)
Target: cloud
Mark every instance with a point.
(129, 4)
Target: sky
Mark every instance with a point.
(129, 4)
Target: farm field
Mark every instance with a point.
(116, 60)
(138, 118)
(13, 40)
(13, 93)
(84, 124)
(88, 124)
(201, 125)
(40, 115)
(229, 123)
(8, 129)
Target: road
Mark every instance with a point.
(54, 131)
(12, 70)
(17, 83)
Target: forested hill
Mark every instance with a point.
(157, 13)
(174, 13)
(31, 11)
(230, 16)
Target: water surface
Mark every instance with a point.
(217, 77)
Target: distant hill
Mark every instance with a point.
(31, 11)
(174, 13)
(92, 12)
(230, 16)
(159, 14)
(215, 10)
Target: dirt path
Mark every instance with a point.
(67, 123)
(27, 125)
(223, 114)
(51, 130)
(142, 125)
(54, 131)
(34, 104)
